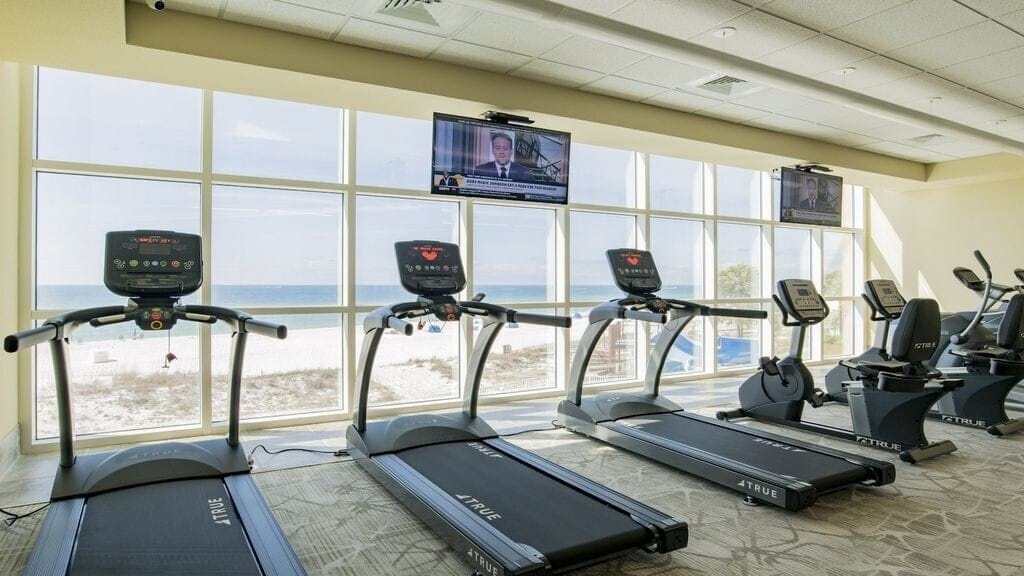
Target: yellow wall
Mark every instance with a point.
(9, 159)
(917, 236)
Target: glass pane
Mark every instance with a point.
(73, 215)
(739, 261)
(514, 253)
(298, 261)
(106, 120)
(392, 151)
(837, 251)
(122, 380)
(417, 368)
(792, 254)
(592, 234)
(676, 184)
(782, 336)
(837, 330)
(739, 192)
(739, 339)
(614, 358)
(602, 176)
(687, 354)
(380, 222)
(276, 139)
(523, 358)
(678, 249)
(302, 373)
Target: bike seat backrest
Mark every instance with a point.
(1011, 328)
(917, 334)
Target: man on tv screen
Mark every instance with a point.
(503, 166)
(811, 201)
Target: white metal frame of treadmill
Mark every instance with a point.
(79, 478)
(591, 417)
(481, 545)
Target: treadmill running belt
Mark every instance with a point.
(174, 528)
(528, 506)
(823, 471)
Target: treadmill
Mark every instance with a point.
(764, 467)
(504, 509)
(156, 509)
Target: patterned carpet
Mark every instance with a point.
(955, 515)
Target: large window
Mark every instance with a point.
(300, 205)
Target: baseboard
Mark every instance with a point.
(10, 448)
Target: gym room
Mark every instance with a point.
(512, 287)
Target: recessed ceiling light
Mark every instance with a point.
(845, 71)
(724, 32)
(935, 99)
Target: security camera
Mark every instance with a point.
(157, 5)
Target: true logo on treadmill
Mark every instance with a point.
(880, 443)
(779, 445)
(965, 421)
(482, 562)
(481, 448)
(478, 507)
(219, 511)
(757, 489)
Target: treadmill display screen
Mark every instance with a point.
(157, 263)
(801, 299)
(430, 268)
(634, 271)
(884, 297)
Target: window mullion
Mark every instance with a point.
(206, 291)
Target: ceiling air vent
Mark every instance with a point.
(927, 139)
(413, 10)
(725, 85)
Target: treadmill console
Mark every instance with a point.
(634, 271)
(800, 299)
(884, 297)
(429, 268)
(968, 278)
(153, 263)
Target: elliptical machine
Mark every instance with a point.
(887, 406)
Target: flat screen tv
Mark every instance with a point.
(483, 159)
(811, 198)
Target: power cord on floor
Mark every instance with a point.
(12, 517)
(554, 426)
(336, 453)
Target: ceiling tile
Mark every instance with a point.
(908, 23)
(390, 38)
(964, 149)
(555, 73)
(773, 100)
(896, 132)
(478, 56)
(891, 149)
(987, 68)
(592, 54)
(733, 112)
(336, 6)
(210, 8)
(818, 111)
(867, 73)
(678, 100)
(624, 88)
(1014, 20)
(855, 121)
(825, 15)
(662, 72)
(450, 16)
(756, 34)
(602, 7)
(850, 139)
(993, 8)
(816, 55)
(510, 34)
(781, 123)
(679, 18)
(965, 44)
(1005, 89)
(287, 17)
(984, 117)
(913, 88)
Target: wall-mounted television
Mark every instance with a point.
(811, 198)
(484, 159)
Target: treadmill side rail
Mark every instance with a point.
(669, 533)
(55, 544)
(482, 546)
(272, 550)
